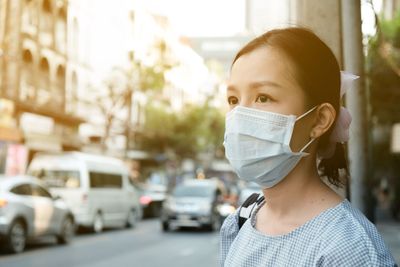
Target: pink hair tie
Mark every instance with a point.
(340, 132)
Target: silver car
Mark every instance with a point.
(28, 210)
(193, 204)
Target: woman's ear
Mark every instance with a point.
(325, 116)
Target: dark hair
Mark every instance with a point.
(318, 74)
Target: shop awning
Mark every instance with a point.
(11, 134)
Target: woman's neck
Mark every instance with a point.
(300, 189)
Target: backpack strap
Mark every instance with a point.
(248, 206)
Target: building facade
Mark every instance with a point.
(34, 65)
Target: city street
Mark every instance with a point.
(144, 246)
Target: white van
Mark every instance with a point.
(97, 188)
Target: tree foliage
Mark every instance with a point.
(194, 129)
(383, 68)
(114, 98)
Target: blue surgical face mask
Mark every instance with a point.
(257, 145)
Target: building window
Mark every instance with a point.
(46, 17)
(59, 93)
(29, 17)
(72, 95)
(61, 30)
(27, 82)
(43, 96)
(75, 40)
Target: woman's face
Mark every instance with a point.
(264, 79)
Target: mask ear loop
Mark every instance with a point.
(307, 145)
(312, 139)
(305, 114)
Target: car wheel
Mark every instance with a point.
(98, 223)
(133, 218)
(165, 226)
(67, 231)
(17, 237)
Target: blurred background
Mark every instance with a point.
(140, 84)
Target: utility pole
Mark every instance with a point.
(132, 83)
(353, 60)
(324, 18)
(128, 123)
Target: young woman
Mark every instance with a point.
(284, 98)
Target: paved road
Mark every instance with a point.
(144, 246)
(390, 232)
(389, 229)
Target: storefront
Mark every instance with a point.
(13, 154)
(39, 134)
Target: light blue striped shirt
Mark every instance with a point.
(339, 236)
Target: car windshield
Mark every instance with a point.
(58, 178)
(193, 191)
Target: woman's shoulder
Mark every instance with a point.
(230, 225)
(228, 233)
(352, 237)
(351, 222)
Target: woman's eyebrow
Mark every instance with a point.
(264, 83)
(231, 88)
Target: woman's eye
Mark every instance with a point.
(263, 99)
(232, 100)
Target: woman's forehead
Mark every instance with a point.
(263, 65)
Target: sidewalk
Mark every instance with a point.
(390, 231)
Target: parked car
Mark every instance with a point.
(28, 210)
(97, 188)
(193, 204)
(152, 197)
